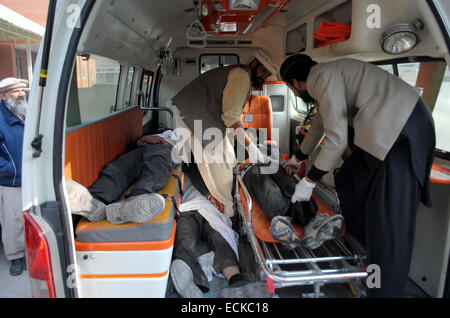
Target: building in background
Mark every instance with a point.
(22, 26)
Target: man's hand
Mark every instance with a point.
(216, 203)
(147, 140)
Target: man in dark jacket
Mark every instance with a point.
(12, 116)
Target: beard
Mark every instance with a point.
(257, 82)
(307, 99)
(18, 108)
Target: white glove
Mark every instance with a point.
(303, 191)
(255, 154)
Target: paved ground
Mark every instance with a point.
(12, 287)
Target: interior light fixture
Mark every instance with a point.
(252, 5)
(401, 37)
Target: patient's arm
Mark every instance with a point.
(290, 169)
(147, 140)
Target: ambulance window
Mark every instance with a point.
(432, 78)
(129, 86)
(297, 103)
(93, 94)
(408, 72)
(146, 88)
(277, 102)
(212, 61)
(441, 114)
(388, 67)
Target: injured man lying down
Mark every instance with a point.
(148, 167)
(273, 193)
(205, 243)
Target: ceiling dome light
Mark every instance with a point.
(251, 5)
(401, 37)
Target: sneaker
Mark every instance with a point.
(246, 289)
(17, 266)
(83, 203)
(322, 228)
(283, 231)
(139, 209)
(183, 280)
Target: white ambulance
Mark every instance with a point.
(106, 73)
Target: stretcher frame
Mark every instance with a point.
(344, 266)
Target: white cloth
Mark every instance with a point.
(167, 136)
(218, 177)
(194, 200)
(206, 262)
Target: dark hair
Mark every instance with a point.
(296, 67)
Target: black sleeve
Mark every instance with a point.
(316, 174)
(300, 155)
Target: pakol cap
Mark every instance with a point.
(10, 83)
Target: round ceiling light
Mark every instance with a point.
(401, 37)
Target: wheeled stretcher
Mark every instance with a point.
(337, 261)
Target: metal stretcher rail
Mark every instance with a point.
(340, 270)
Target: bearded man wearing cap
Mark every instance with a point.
(12, 116)
(217, 98)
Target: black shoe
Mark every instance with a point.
(17, 266)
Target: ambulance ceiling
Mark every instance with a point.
(135, 30)
(135, 26)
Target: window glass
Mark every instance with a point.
(93, 94)
(441, 114)
(212, 61)
(408, 72)
(388, 67)
(297, 103)
(129, 86)
(277, 102)
(144, 98)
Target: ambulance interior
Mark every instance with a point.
(133, 56)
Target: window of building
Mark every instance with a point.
(212, 61)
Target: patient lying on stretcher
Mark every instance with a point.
(147, 168)
(273, 193)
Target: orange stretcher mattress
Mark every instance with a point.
(158, 229)
(261, 223)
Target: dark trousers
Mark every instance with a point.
(273, 193)
(379, 200)
(195, 237)
(149, 167)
